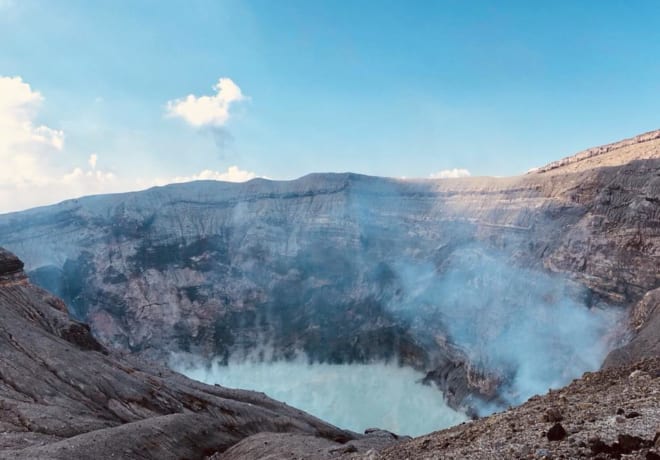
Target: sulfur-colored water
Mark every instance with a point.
(355, 397)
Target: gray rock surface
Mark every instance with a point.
(63, 395)
(315, 264)
(299, 446)
(645, 332)
(610, 414)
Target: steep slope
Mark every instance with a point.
(645, 330)
(331, 263)
(63, 395)
(610, 414)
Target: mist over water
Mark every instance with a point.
(534, 329)
(355, 397)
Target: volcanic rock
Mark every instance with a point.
(644, 325)
(553, 414)
(492, 438)
(63, 395)
(556, 432)
(320, 264)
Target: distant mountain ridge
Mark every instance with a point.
(623, 152)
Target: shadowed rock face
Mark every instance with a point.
(315, 264)
(645, 330)
(63, 395)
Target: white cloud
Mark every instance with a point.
(207, 110)
(232, 174)
(58, 187)
(36, 170)
(81, 176)
(34, 167)
(24, 145)
(450, 173)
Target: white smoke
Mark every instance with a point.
(450, 174)
(529, 326)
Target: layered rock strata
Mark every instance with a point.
(324, 264)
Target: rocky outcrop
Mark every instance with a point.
(63, 395)
(610, 414)
(327, 263)
(11, 269)
(645, 331)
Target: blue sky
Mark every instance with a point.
(384, 88)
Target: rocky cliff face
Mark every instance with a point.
(63, 395)
(330, 263)
(644, 324)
